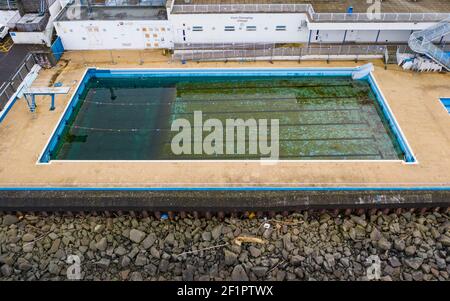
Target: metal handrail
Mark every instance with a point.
(308, 8)
(9, 87)
(422, 42)
(260, 50)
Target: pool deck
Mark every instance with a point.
(413, 98)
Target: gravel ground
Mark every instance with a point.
(410, 246)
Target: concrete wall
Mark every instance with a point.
(6, 15)
(213, 28)
(84, 35)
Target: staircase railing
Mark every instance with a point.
(422, 42)
(8, 4)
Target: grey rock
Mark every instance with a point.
(417, 276)
(216, 232)
(125, 261)
(281, 275)
(163, 265)
(375, 235)
(149, 241)
(259, 271)
(23, 264)
(55, 246)
(135, 276)
(330, 260)
(297, 260)
(410, 250)
(230, 257)
(188, 273)
(27, 237)
(255, 252)
(394, 262)
(6, 270)
(384, 244)
(136, 235)
(99, 228)
(445, 240)
(414, 263)
(206, 236)
(103, 263)
(170, 240)
(155, 253)
(345, 262)
(399, 244)
(141, 260)
(287, 243)
(53, 268)
(102, 244)
(308, 250)
(204, 278)
(8, 220)
(120, 251)
(441, 264)
(239, 274)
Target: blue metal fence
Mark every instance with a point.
(57, 48)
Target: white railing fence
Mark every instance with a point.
(308, 8)
(271, 51)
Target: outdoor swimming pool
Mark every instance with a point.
(323, 114)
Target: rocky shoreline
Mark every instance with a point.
(407, 246)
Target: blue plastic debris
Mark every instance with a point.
(58, 84)
(164, 216)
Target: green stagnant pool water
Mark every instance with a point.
(321, 118)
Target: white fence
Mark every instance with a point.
(307, 8)
(262, 51)
(8, 88)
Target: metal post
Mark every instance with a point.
(33, 103)
(52, 106)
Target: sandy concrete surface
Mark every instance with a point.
(413, 98)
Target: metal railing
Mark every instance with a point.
(308, 8)
(10, 87)
(124, 3)
(422, 42)
(267, 51)
(241, 8)
(384, 17)
(8, 4)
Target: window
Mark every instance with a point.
(280, 28)
(229, 28)
(197, 28)
(251, 28)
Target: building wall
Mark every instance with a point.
(84, 35)
(219, 28)
(248, 28)
(360, 36)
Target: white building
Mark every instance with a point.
(141, 27)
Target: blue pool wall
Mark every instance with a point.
(446, 103)
(312, 72)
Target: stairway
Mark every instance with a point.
(422, 42)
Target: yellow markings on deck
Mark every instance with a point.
(6, 44)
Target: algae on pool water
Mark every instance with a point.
(320, 118)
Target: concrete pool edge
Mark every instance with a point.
(239, 199)
(409, 158)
